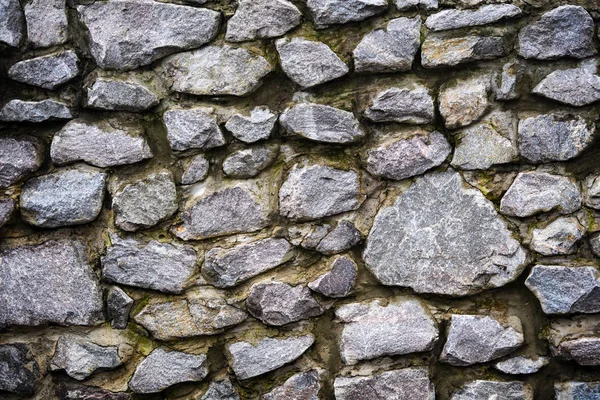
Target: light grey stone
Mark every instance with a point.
(428, 5)
(496, 390)
(402, 105)
(262, 19)
(12, 23)
(512, 73)
(47, 72)
(584, 351)
(162, 369)
(251, 161)
(559, 237)
(196, 170)
(120, 94)
(257, 126)
(595, 244)
(448, 52)
(576, 87)
(118, 307)
(20, 156)
(332, 12)
(249, 360)
(341, 238)
(46, 22)
(301, 386)
(454, 19)
(308, 63)
(592, 191)
(34, 111)
(307, 235)
(52, 282)
(339, 281)
(194, 128)
(536, 192)
(126, 34)
(7, 208)
(400, 384)
(410, 240)
(573, 390)
(18, 368)
(63, 198)
(465, 101)
(385, 328)
(221, 390)
(520, 365)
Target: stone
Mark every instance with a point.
(163, 368)
(400, 156)
(427, 5)
(48, 72)
(304, 385)
(118, 307)
(322, 123)
(537, 192)
(249, 360)
(574, 390)
(481, 389)
(559, 237)
(390, 327)
(221, 390)
(69, 391)
(576, 87)
(7, 208)
(80, 358)
(146, 202)
(194, 128)
(512, 73)
(595, 244)
(465, 101)
(410, 240)
(308, 63)
(339, 281)
(448, 52)
(592, 191)
(390, 49)
(35, 111)
(20, 156)
(400, 384)
(584, 351)
(12, 22)
(545, 38)
(251, 161)
(166, 267)
(474, 339)
(307, 235)
(217, 71)
(402, 105)
(455, 19)
(566, 290)
(52, 282)
(65, 197)
(549, 137)
(103, 143)
(127, 34)
(225, 268)
(120, 95)
(317, 191)
(46, 22)
(262, 19)
(257, 126)
(341, 238)
(188, 318)
(332, 12)
(277, 303)
(196, 170)
(520, 365)
(18, 369)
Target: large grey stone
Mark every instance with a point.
(194, 128)
(573, 390)
(400, 384)
(48, 71)
(584, 350)
(126, 34)
(120, 94)
(592, 191)
(331, 12)
(262, 19)
(464, 101)
(18, 369)
(46, 22)
(7, 208)
(448, 52)
(388, 327)
(195, 170)
(251, 161)
(52, 282)
(454, 19)
(257, 126)
(496, 390)
(576, 87)
(339, 281)
(20, 156)
(520, 365)
(301, 386)
(428, 5)
(34, 111)
(402, 105)
(118, 307)
(339, 239)
(559, 237)
(12, 23)
(220, 390)
(410, 240)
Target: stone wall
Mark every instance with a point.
(305, 199)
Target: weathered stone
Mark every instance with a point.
(448, 52)
(545, 39)
(322, 123)
(402, 105)
(520, 365)
(120, 94)
(257, 126)
(428, 5)
(69, 391)
(18, 369)
(573, 390)
(165, 267)
(401, 384)
(410, 241)
(480, 389)
(536, 192)
(118, 307)
(559, 237)
(595, 244)
(592, 191)
(577, 87)
(221, 390)
(52, 282)
(465, 101)
(390, 49)
(46, 22)
(549, 137)
(454, 19)
(331, 12)
(217, 71)
(338, 282)
(196, 170)
(47, 72)
(104, 143)
(341, 238)
(34, 111)
(188, 318)
(12, 21)
(302, 386)
(194, 128)
(146, 202)
(251, 161)
(309, 63)
(19, 157)
(584, 351)
(262, 19)
(307, 235)
(385, 328)
(226, 268)
(162, 369)
(7, 208)
(63, 198)
(126, 34)
(510, 77)
(248, 360)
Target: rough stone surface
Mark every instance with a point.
(595, 244)
(262, 19)
(584, 351)
(512, 73)
(81, 358)
(119, 94)
(20, 156)
(257, 126)
(302, 386)
(18, 371)
(118, 307)
(12, 22)
(454, 19)
(331, 12)
(7, 208)
(69, 391)
(401, 384)
(576, 87)
(428, 5)
(251, 161)
(559, 237)
(196, 170)
(341, 238)
(194, 128)
(448, 52)
(592, 191)
(465, 101)
(520, 365)
(574, 390)
(402, 105)
(221, 390)
(34, 111)
(339, 281)
(46, 22)
(47, 72)
(493, 390)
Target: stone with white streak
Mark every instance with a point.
(35, 111)
(412, 106)
(262, 19)
(48, 71)
(454, 19)
(332, 12)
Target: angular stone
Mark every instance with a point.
(584, 351)
(341, 238)
(262, 19)
(402, 105)
(34, 111)
(454, 19)
(574, 390)
(307, 235)
(331, 12)
(511, 74)
(221, 390)
(410, 241)
(595, 244)
(322, 123)
(118, 307)
(305, 385)
(52, 282)
(189, 318)
(465, 101)
(196, 170)
(120, 94)
(448, 52)
(194, 128)
(391, 49)
(146, 202)
(338, 282)
(379, 328)
(217, 71)
(520, 365)
(592, 191)
(165, 267)
(46, 22)
(549, 137)
(251, 161)
(576, 87)
(536, 192)
(69, 391)
(7, 208)
(47, 72)
(399, 157)
(162, 369)
(309, 63)
(400, 384)
(63, 198)
(257, 126)
(18, 369)
(494, 390)
(12, 21)
(103, 143)
(249, 360)
(318, 191)
(20, 156)
(545, 38)
(559, 237)
(126, 34)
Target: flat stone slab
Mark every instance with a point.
(481, 389)
(332, 12)
(35, 111)
(448, 52)
(573, 390)
(577, 87)
(48, 71)
(80, 358)
(454, 19)
(401, 384)
(262, 19)
(411, 106)
(120, 95)
(520, 365)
